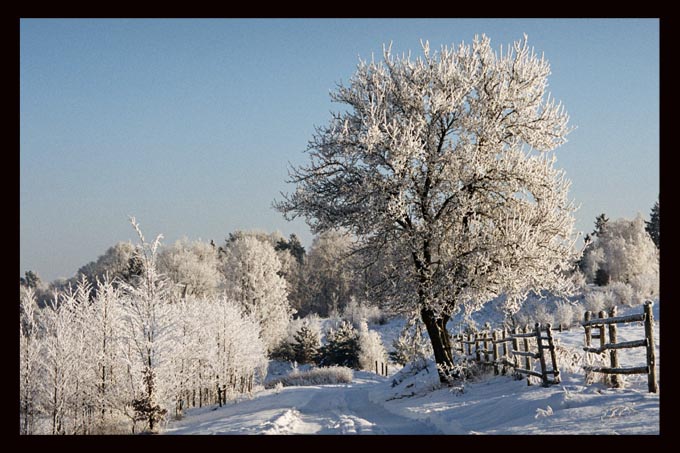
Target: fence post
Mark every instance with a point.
(541, 357)
(602, 315)
(553, 354)
(376, 367)
(495, 352)
(515, 346)
(527, 359)
(651, 359)
(487, 340)
(478, 353)
(505, 350)
(586, 318)
(613, 353)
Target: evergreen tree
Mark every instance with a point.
(306, 346)
(653, 227)
(600, 225)
(342, 347)
(294, 246)
(601, 277)
(30, 280)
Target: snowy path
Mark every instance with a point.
(332, 409)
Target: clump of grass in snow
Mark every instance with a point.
(314, 376)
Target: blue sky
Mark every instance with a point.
(189, 125)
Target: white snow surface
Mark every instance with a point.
(418, 405)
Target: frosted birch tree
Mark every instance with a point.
(444, 162)
(103, 333)
(29, 361)
(149, 323)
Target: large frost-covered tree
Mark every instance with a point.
(329, 278)
(192, 266)
(625, 253)
(251, 270)
(444, 162)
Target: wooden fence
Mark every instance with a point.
(595, 330)
(504, 350)
(382, 370)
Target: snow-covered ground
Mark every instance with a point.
(492, 405)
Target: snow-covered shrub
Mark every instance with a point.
(564, 315)
(595, 301)
(623, 294)
(569, 360)
(371, 349)
(542, 314)
(356, 312)
(411, 345)
(600, 360)
(315, 376)
(342, 347)
(579, 280)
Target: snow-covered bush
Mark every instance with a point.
(570, 360)
(542, 314)
(411, 344)
(597, 300)
(565, 315)
(371, 349)
(357, 312)
(624, 294)
(315, 376)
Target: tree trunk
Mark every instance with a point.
(441, 343)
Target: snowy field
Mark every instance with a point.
(490, 405)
